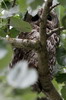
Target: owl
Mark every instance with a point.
(52, 41)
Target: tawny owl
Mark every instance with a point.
(52, 41)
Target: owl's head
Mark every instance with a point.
(52, 19)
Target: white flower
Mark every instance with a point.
(21, 76)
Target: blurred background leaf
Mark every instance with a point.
(35, 4)
(62, 2)
(61, 78)
(63, 91)
(61, 56)
(4, 61)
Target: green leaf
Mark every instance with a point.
(64, 21)
(63, 92)
(2, 24)
(20, 25)
(6, 60)
(63, 39)
(61, 56)
(57, 85)
(60, 10)
(62, 2)
(60, 78)
(36, 3)
(13, 33)
(2, 44)
(2, 33)
(8, 93)
(22, 5)
(30, 96)
(5, 4)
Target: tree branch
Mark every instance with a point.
(43, 58)
(52, 7)
(22, 43)
(44, 22)
(55, 30)
(43, 69)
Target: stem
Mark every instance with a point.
(43, 69)
(55, 30)
(22, 43)
(52, 7)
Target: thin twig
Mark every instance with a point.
(55, 30)
(52, 7)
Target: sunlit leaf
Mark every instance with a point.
(57, 85)
(63, 91)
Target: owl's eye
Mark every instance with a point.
(49, 18)
(35, 18)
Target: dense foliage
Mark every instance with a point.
(11, 24)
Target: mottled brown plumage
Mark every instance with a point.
(52, 41)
